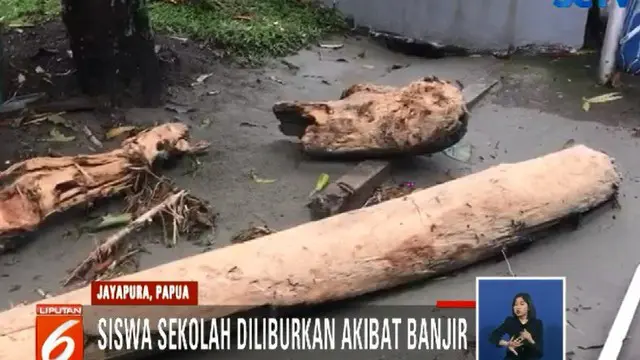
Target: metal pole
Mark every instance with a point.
(624, 318)
(616, 15)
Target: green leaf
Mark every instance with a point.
(323, 181)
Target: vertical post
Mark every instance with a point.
(615, 21)
(623, 320)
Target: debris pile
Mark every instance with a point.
(39, 187)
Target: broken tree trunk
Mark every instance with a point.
(424, 117)
(39, 187)
(111, 42)
(353, 189)
(426, 234)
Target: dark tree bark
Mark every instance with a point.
(112, 43)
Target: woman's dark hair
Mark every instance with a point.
(531, 314)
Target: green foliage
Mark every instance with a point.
(251, 29)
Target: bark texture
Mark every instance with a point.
(425, 234)
(426, 116)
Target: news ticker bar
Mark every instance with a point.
(115, 322)
(181, 293)
(169, 328)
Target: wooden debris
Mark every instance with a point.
(355, 188)
(424, 235)
(251, 233)
(426, 116)
(351, 190)
(389, 192)
(39, 187)
(114, 243)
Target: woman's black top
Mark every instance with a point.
(513, 327)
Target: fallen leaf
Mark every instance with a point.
(56, 119)
(569, 143)
(200, 79)
(179, 109)
(275, 79)
(21, 79)
(322, 182)
(57, 136)
(331, 46)
(605, 98)
(397, 67)
(290, 65)
(460, 151)
(260, 180)
(205, 122)
(117, 131)
(600, 99)
(109, 221)
(39, 70)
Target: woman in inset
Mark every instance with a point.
(524, 331)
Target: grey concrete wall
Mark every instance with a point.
(477, 24)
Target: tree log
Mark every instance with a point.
(112, 42)
(426, 234)
(40, 187)
(424, 117)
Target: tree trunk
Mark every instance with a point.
(424, 235)
(423, 117)
(54, 185)
(112, 42)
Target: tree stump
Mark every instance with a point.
(112, 42)
(369, 121)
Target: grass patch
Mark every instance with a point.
(253, 29)
(22, 12)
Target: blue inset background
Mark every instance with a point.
(494, 305)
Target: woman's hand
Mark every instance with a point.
(527, 336)
(514, 344)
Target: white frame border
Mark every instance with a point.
(504, 278)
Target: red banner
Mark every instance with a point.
(144, 293)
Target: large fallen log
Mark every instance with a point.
(424, 117)
(426, 234)
(39, 187)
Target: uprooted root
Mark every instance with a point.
(189, 217)
(39, 187)
(179, 213)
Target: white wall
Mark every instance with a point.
(476, 24)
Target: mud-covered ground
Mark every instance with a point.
(536, 110)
